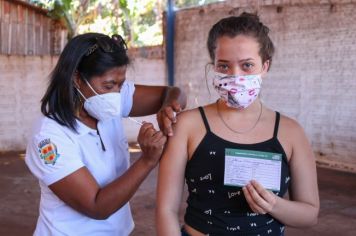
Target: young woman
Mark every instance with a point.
(78, 150)
(237, 156)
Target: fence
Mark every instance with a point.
(27, 30)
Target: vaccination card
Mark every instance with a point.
(242, 166)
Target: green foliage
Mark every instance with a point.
(191, 3)
(138, 21)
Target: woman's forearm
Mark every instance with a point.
(167, 223)
(115, 195)
(295, 214)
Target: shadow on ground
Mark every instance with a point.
(19, 201)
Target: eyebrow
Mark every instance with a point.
(109, 81)
(223, 61)
(247, 59)
(240, 61)
(114, 81)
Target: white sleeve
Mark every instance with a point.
(127, 92)
(52, 155)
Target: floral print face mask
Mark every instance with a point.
(238, 91)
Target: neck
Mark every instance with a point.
(244, 116)
(86, 119)
(255, 107)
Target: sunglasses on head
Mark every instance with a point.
(107, 44)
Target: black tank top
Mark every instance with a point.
(216, 209)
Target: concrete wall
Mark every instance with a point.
(23, 80)
(22, 84)
(312, 78)
(148, 67)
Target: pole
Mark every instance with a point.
(170, 42)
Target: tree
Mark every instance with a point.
(72, 12)
(191, 3)
(139, 21)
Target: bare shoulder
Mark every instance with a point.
(292, 136)
(190, 128)
(186, 115)
(290, 126)
(188, 119)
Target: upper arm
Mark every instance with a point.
(147, 100)
(51, 154)
(54, 158)
(304, 187)
(172, 166)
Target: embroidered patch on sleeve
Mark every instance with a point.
(48, 151)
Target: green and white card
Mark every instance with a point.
(242, 166)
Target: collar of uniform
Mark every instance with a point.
(82, 129)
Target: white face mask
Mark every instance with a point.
(238, 91)
(102, 106)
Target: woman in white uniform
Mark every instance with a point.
(78, 150)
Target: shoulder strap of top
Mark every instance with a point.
(276, 125)
(202, 113)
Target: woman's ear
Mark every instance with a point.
(265, 67)
(76, 80)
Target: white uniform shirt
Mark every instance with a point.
(55, 151)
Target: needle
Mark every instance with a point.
(136, 121)
(174, 117)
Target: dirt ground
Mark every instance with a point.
(19, 200)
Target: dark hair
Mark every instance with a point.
(244, 24)
(90, 54)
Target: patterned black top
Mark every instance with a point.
(217, 209)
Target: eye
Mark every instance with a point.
(247, 66)
(222, 67)
(109, 86)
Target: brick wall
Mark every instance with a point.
(23, 80)
(312, 78)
